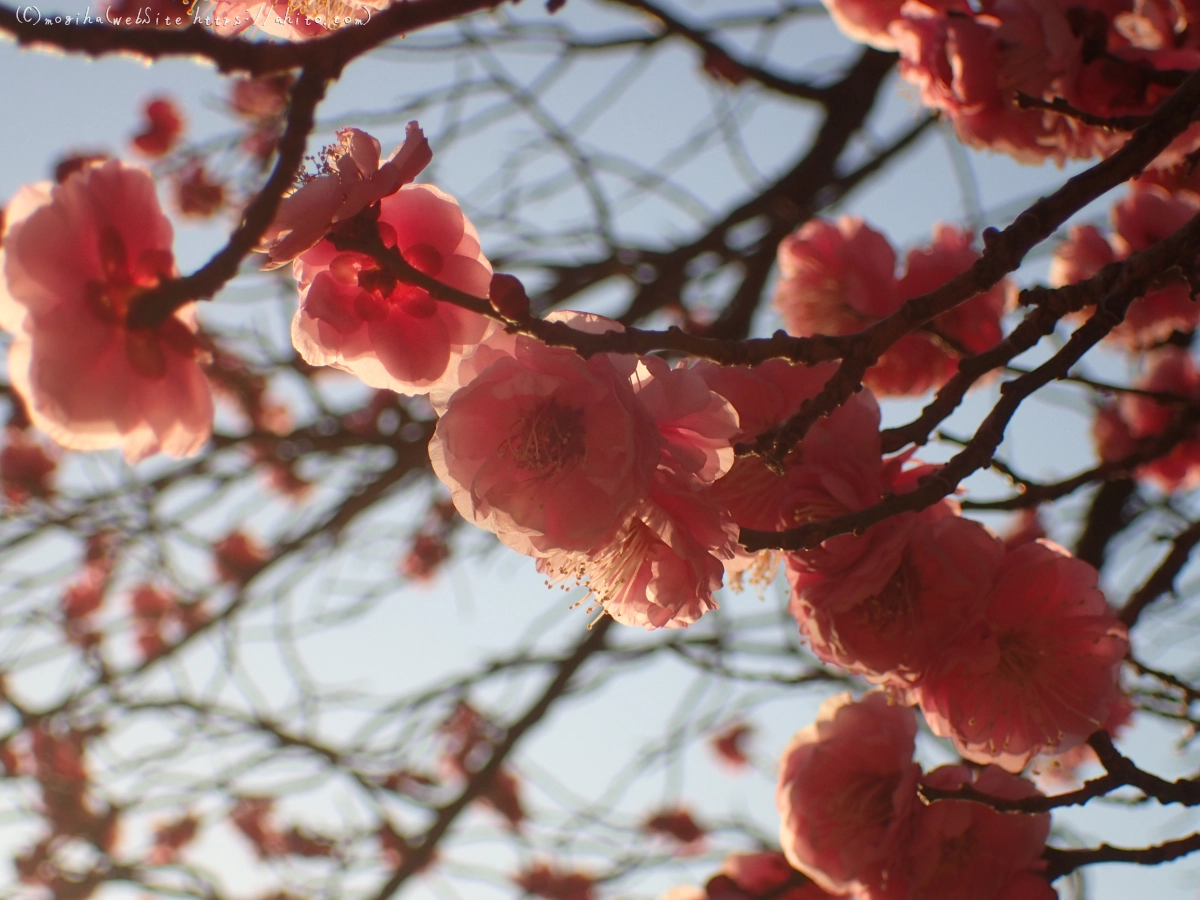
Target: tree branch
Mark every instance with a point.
(422, 853)
(236, 54)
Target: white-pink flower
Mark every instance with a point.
(355, 316)
(75, 259)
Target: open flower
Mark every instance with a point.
(1135, 417)
(1147, 215)
(888, 612)
(352, 180)
(355, 316)
(1038, 672)
(847, 791)
(75, 259)
(839, 278)
(961, 850)
(664, 564)
(549, 451)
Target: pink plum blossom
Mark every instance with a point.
(1037, 672)
(352, 179)
(599, 468)
(847, 792)
(835, 469)
(835, 278)
(75, 258)
(961, 850)
(956, 61)
(922, 361)
(913, 590)
(665, 563)
(839, 279)
(1136, 417)
(1147, 215)
(549, 451)
(695, 423)
(355, 316)
(869, 21)
(974, 325)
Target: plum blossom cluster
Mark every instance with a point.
(1009, 652)
(613, 471)
(1167, 388)
(852, 822)
(1156, 205)
(840, 277)
(1036, 79)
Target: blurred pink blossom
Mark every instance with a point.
(847, 791)
(75, 258)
